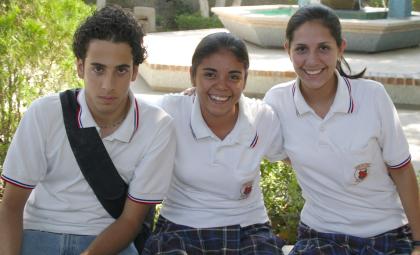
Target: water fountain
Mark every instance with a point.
(366, 30)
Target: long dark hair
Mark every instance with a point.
(328, 19)
(215, 42)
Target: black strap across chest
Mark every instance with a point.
(93, 159)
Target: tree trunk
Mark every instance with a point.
(220, 3)
(236, 2)
(204, 8)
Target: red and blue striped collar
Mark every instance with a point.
(343, 101)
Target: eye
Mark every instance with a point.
(122, 70)
(324, 48)
(235, 77)
(300, 49)
(98, 69)
(209, 75)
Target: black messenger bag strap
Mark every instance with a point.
(97, 167)
(93, 159)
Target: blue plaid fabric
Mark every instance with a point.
(311, 242)
(173, 239)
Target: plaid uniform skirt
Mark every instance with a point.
(311, 242)
(173, 239)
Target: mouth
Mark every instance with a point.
(107, 99)
(218, 99)
(313, 72)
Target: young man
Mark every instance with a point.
(48, 206)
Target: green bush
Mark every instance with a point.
(195, 21)
(35, 55)
(282, 198)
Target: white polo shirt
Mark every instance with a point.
(40, 158)
(341, 161)
(216, 182)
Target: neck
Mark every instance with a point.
(320, 100)
(112, 120)
(222, 125)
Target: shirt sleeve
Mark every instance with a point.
(395, 148)
(275, 149)
(26, 163)
(153, 175)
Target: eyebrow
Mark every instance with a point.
(102, 65)
(214, 70)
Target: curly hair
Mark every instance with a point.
(111, 23)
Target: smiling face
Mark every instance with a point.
(220, 80)
(314, 54)
(107, 71)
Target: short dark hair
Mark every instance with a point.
(328, 19)
(111, 23)
(215, 42)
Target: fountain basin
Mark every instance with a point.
(365, 31)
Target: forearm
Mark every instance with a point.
(407, 187)
(114, 238)
(10, 232)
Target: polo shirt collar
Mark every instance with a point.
(343, 101)
(127, 128)
(243, 132)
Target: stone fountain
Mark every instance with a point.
(366, 29)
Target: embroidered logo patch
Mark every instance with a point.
(361, 172)
(246, 190)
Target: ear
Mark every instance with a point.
(135, 72)
(80, 68)
(192, 77)
(286, 47)
(342, 47)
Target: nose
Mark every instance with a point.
(108, 82)
(312, 58)
(222, 82)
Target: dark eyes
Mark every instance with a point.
(98, 69)
(232, 77)
(303, 49)
(101, 69)
(209, 74)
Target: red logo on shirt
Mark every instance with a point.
(246, 190)
(361, 172)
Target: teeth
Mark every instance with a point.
(219, 98)
(313, 71)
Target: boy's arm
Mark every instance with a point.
(11, 218)
(407, 187)
(121, 233)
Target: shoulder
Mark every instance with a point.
(366, 88)
(280, 97)
(366, 84)
(151, 112)
(256, 106)
(48, 105)
(279, 91)
(258, 111)
(281, 88)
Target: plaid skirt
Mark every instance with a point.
(311, 242)
(173, 239)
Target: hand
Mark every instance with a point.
(189, 91)
(416, 250)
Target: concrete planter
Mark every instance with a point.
(363, 35)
